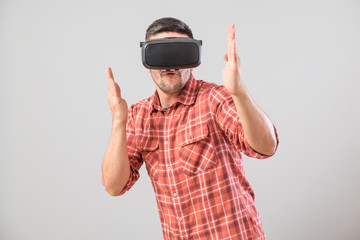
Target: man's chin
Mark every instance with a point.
(171, 89)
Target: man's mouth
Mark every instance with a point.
(170, 72)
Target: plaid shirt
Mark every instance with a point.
(192, 153)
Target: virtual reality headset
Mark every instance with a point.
(171, 53)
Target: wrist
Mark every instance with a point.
(240, 94)
(117, 123)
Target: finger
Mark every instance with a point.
(232, 43)
(233, 55)
(110, 78)
(225, 56)
(230, 33)
(230, 39)
(109, 73)
(118, 90)
(112, 85)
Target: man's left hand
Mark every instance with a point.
(232, 72)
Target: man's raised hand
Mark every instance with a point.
(232, 72)
(118, 105)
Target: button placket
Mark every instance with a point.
(173, 191)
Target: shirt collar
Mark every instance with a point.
(187, 95)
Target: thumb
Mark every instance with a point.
(118, 90)
(109, 73)
(225, 56)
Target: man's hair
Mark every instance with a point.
(168, 24)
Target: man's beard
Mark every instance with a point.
(168, 87)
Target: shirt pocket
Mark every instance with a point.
(196, 151)
(148, 147)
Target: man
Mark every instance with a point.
(190, 134)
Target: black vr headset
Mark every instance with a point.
(171, 53)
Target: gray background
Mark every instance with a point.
(300, 63)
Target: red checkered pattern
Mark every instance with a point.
(192, 152)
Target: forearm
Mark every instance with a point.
(258, 129)
(115, 165)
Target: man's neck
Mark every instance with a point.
(167, 99)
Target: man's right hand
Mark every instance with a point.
(118, 105)
(115, 165)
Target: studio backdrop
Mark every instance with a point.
(300, 63)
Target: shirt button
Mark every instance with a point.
(175, 195)
(169, 168)
(180, 219)
(168, 117)
(166, 142)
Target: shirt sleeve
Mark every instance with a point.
(228, 119)
(135, 158)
